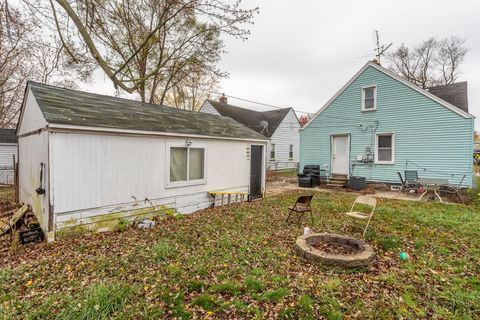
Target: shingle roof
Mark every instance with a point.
(252, 118)
(72, 107)
(8, 136)
(455, 94)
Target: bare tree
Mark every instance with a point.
(430, 63)
(27, 52)
(13, 72)
(147, 46)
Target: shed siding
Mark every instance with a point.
(428, 137)
(7, 151)
(113, 173)
(207, 108)
(286, 134)
(32, 117)
(33, 150)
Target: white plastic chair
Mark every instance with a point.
(365, 200)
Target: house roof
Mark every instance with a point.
(251, 118)
(8, 136)
(455, 94)
(78, 108)
(444, 103)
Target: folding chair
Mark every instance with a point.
(301, 206)
(411, 177)
(365, 200)
(407, 187)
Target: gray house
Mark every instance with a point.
(281, 126)
(8, 149)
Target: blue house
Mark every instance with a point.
(379, 124)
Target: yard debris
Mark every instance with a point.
(146, 224)
(7, 223)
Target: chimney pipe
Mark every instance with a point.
(223, 98)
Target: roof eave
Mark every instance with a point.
(66, 127)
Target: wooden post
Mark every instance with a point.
(229, 197)
(15, 178)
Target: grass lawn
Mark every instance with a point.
(238, 262)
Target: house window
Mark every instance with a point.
(290, 152)
(272, 151)
(187, 164)
(385, 148)
(369, 98)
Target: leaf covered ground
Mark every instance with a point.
(238, 262)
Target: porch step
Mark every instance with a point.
(337, 180)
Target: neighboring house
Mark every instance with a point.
(379, 124)
(281, 126)
(87, 160)
(8, 149)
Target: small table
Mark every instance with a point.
(432, 184)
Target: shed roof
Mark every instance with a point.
(454, 93)
(251, 118)
(78, 108)
(8, 136)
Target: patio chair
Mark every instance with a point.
(364, 200)
(411, 176)
(454, 189)
(406, 187)
(301, 206)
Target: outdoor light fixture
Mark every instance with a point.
(188, 142)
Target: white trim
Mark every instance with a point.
(177, 184)
(392, 134)
(396, 77)
(66, 127)
(348, 152)
(374, 86)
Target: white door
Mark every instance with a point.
(340, 155)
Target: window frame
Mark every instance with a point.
(374, 98)
(273, 148)
(290, 152)
(379, 134)
(184, 183)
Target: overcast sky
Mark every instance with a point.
(300, 53)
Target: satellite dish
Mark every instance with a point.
(264, 126)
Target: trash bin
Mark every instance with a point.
(357, 183)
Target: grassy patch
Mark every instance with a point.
(238, 262)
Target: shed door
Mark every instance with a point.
(256, 166)
(340, 155)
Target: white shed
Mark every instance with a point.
(280, 126)
(8, 150)
(86, 160)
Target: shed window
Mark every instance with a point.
(186, 164)
(385, 145)
(290, 152)
(369, 98)
(272, 151)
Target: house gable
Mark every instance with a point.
(372, 65)
(31, 117)
(287, 134)
(208, 108)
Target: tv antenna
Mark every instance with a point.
(380, 49)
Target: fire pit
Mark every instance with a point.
(334, 250)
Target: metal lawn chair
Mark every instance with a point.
(407, 186)
(364, 200)
(411, 176)
(301, 206)
(454, 189)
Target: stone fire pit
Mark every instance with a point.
(334, 250)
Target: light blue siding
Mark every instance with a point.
(429, 137)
